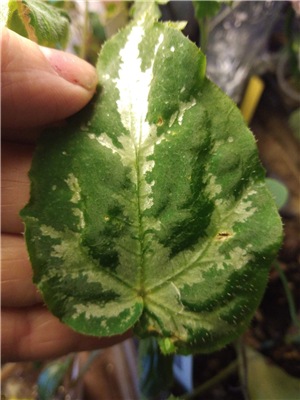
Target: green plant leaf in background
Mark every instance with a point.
(279, 192)
(294, 123)
(204, 9)
(268, 381)
(39, 21)
(149, 210)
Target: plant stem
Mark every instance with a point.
(289, 296)
(83, 48)
(221, 376)
(203, 25)
(243, 367)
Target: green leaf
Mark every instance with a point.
(205, 8)
(294, 122)
(268, 381)
(39, 21)
(141, 8)
(149, 209)
(279, 192)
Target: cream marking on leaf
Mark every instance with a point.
(173, 119)
(215, 259)
(68, 250)
(241, 212)
(244, 210)
(212, 188)
(240, 257)
(251, 193)
(49, 231)
(183, 107)
(104, 140)
(110, 310)
(73, 184)
(78, 213)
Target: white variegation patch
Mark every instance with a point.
(69, 249)
(78, 213)
(240, 257)
(49, 231)
(212, 187)
(173, 119)
(113, 309)
(133, 85)
(104, 140)
(73, 184)
(182, 108)
(244, 210)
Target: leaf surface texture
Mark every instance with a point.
(149, 210)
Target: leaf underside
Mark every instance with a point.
(149, 210)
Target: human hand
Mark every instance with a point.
(39, 87)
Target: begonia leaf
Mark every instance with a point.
(149, 210)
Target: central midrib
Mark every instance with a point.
(141, 259)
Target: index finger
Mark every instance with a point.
(40, 85)
(17, 289)
(15, 162)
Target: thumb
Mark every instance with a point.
(41, 85)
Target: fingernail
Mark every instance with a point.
(71, 68)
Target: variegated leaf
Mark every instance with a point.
(149, 210)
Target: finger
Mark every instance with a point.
(40, 85)
(17, 289)
(16, 161)
(35, 334)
